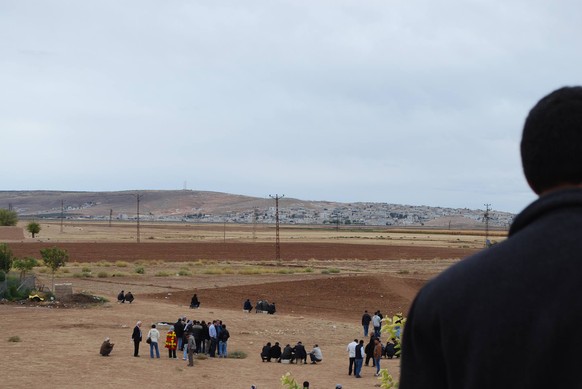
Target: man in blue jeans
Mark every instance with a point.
(359, 360)
(366, 319)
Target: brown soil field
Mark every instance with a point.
(320, 287)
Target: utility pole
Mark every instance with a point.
(277, 242)
(110, 216)
(138, 197)
(62, 214)
(486, 218)
(255, 218)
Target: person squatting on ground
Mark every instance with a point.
(129, 297)
(266, 352)
(106, 347)
(136, 336)
(510, 315)
(247, 306)
(154, 337)
(316, 355)
(171, 343)
(121, 297)
(194, 303)
(299, 353)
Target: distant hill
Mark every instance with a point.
(216, 207)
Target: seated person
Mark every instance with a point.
(275, 352)
(271, 309)
(300, 353)
(287, 354)
(106, 347)
(129, 297)
(266, 352)
(247, 307)
(121, 297)
(390, 349)
(316, 355)
(194, 303)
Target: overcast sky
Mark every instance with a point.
(416, 102)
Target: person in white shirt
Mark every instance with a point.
(351, 349)
(154, 337)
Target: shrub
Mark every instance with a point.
(162, 274)
(184, 273)
(237, 354)
(102, 274)
(14, 339)
(308, 270)
(140, 270)
(86, 270)
(121, 264)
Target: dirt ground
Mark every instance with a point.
(59, 345)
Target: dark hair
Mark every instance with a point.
(551, 144)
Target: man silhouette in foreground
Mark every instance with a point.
(510, 316)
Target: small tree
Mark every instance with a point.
(33, 228)
(54, 258)
(6, 260)
(24, 265)
(7, 217)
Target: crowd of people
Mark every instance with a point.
(190, 337)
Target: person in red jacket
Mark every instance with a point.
(171, 343)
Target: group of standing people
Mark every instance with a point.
(187, 336)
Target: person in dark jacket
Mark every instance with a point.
(179, 329)
(300, 353)
(369, 350)
(275, 352)
(359, 359)
(129, 297)
(266, 352)
(510, 315)
(121, 297)
(247, 306)
(194, 303)
(287, 353)
(106, 347)
(136, 337)
(366, 319)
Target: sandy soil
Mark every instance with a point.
(59, 345)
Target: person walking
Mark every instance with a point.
(136, 337)
(154, 337)
(366, 319)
